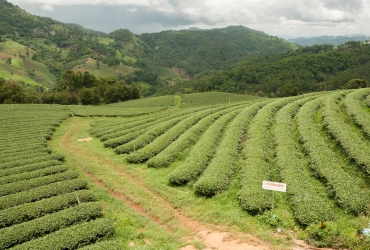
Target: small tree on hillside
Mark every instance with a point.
(356, 84)
(89, 97)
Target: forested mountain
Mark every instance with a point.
(315, 68)
(37, 50)
(333, 40)
(197, 51)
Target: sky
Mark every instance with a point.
(282, 18)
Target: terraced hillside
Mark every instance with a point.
(317, 144)
(43, 205)
(189, 164)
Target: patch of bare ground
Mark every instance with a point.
(85, 139)
(182, 74)
(211, 236)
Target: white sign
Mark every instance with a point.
(276, 186)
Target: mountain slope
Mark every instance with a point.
(173, 56)
(315, 68)
(201, 50)
(333, 40)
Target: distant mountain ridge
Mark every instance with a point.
(34, 43)
(333, 40)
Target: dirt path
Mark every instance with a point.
(211, 236)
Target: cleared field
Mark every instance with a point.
(21, 66)
(103, 70)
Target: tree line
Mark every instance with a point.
(73, 88)
(309, 69)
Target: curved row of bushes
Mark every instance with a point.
(171, 135)
(352, 102)
(307, 204)
(39, 193)
(20, 186)
(168, 155)
(348, 194)
(29, 211)
(72, 237)
(32, 174)
(29, 168)
(38, 227)
(356, 147)
(28, 161)
(202, 152)
(219, 172)
(256, 167)
(148, 136)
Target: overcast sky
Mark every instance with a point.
(283, 18)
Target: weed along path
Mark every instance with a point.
(148, 214)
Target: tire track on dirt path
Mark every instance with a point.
(190, 224)
(128, 201)
(221, 239)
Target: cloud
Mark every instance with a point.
(272, 16)
(47, 7)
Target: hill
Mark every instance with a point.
(315, 68)
(333, 40)
(174, 56)
(198, 51)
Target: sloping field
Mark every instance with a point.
(174, 170)
(21, 66)
(43, 205)
(317, 144)
(103, 70)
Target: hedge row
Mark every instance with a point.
(113, 143)
(188, 138)
(202, 152)
(356, 147)
(100, 130)
(148, 136)
(169, 136)
(134, 132)
(7, 149)
(138, 122)
(135, 127)
(17, 163)
(24, 149)
(308, 206)
(20, 233)
(30, 211)
(25, 153)
(16, 146)
(39, 193)
(352, 102)
(218, 174)
(103, 245)
(19, 186)
(256, 168)
(325, 163)
(32, 174)
(29, 168)
(72, 237)
(29, 155)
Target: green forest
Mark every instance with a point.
(36, 53)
